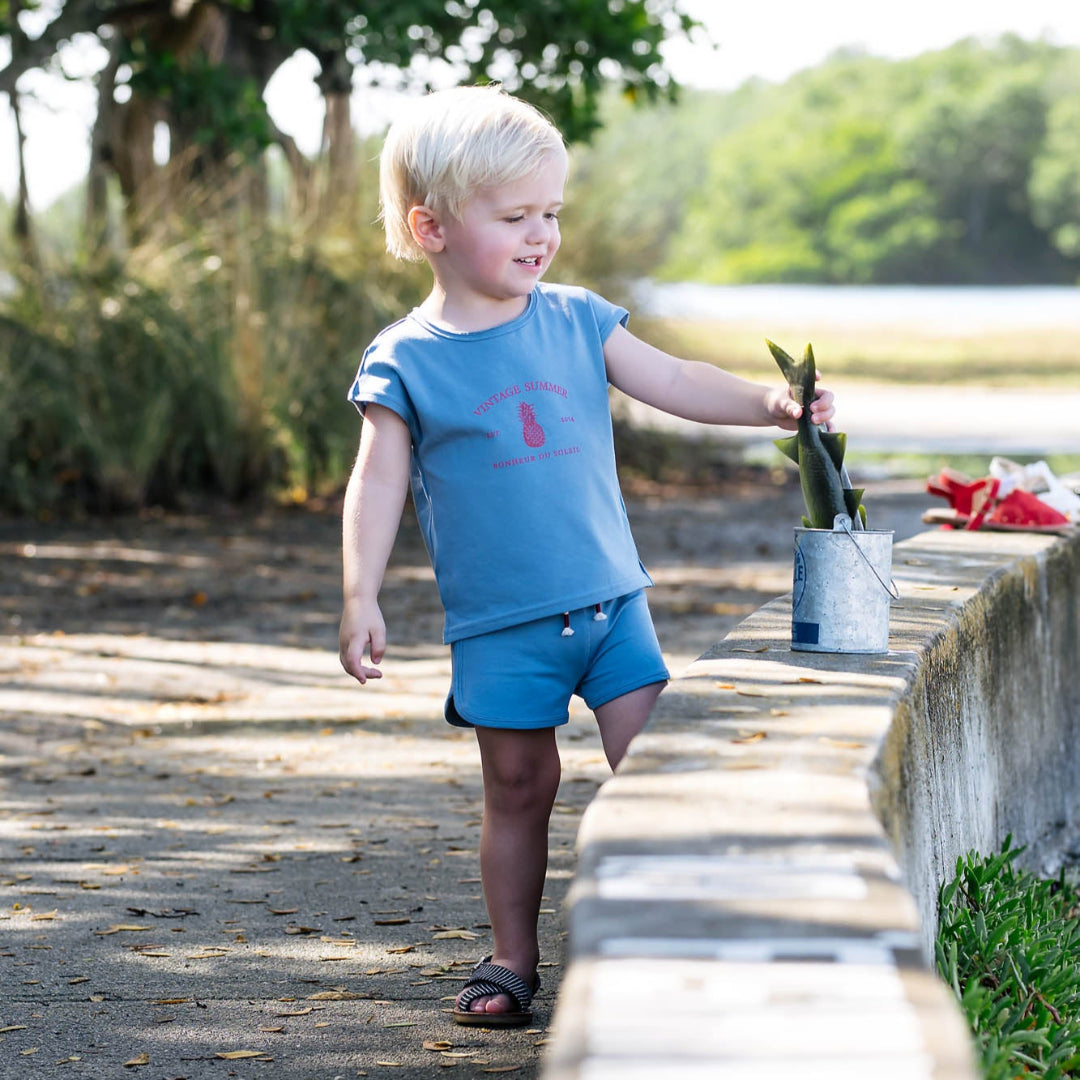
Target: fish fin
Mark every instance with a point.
(835, 443)
(853, 504)
(807, 523)
(789, 447)
(862, 515)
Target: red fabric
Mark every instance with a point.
(977, 504)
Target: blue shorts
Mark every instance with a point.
(524, 676)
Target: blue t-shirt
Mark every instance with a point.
(513, 463)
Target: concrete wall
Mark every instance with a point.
(757, 885)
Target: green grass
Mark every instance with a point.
(912, 464)
(1029, 359)
(1006, 944)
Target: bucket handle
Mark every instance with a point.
(844, 523)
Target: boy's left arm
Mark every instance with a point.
(698, 391)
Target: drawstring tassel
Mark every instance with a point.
(567, 629)
(599, 616)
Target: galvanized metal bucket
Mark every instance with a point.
(841, 589)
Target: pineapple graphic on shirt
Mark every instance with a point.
(531, 431)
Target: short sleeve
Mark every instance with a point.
(379, 382)
(606, 314)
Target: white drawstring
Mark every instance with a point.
(568, 630)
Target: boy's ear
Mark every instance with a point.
(426, 230)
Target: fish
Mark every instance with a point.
(826, 489)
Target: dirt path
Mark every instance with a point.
(213, 842)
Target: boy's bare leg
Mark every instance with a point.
(521, 778)
(621, 719)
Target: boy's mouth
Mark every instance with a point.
(529, 260)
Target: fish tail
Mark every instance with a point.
(800, 374)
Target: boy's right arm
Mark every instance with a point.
(374, 500)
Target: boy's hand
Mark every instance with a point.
(785, 410)
(362, 627)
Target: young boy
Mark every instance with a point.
(492, 399)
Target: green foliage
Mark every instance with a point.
(1055, 180)
(1007, 946)
(187, 372)
(558, 53)
(956, 166)
(217, 105)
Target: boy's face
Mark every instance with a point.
(505, 239)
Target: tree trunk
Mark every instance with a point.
(98, 231)
(338, 196)
(131, 145)
(339, 150)
(22, 226)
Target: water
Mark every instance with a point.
(927, 419)
(944, 309)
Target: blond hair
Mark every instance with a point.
(448, 144)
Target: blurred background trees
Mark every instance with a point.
(185, 321)
(194, 329)
(958, 166)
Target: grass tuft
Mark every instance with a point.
(1007, 945)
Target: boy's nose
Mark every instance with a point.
(542, 232)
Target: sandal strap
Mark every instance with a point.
(489, 979)
(986, 507)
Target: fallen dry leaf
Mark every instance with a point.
(335, 995)
(441, 1044)
(239, 1055)
(447, 935)
(750, 737)
(843, 744)
(122, 928)
(142, 1059)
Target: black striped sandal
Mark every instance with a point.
(487, 980)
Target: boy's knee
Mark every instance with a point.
(523, 785)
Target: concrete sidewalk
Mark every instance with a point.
(219, 857)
